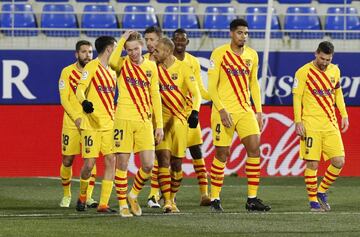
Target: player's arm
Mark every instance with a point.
(254, 85)
(197, 73)
(65, 90)
(298, 91)
(115, 60)
(82, 87)
(192, 86)
(213, 80)
(340, 103)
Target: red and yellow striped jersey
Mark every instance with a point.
(194, 64)
(176, 82)
(97, 85)
(68, 82)
(138, 86)
(232, 78)
(319, 94)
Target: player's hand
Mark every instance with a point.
(259, 118)
(78, 122)
(87, 106)
(159, 135)
(193, 119)
(226, 118)
(127, 34)
(300, 130)
(344, 124)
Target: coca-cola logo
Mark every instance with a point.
(279, 149)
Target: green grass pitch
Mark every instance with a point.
(29, 207)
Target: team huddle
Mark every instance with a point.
(149, 104)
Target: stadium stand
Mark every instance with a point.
(105, 20)
(188, 20)
(173, 1)
(133, 1)
(256, 18)
(51, 18)
(139, 17)
(335, 21)
(24, 18)
(335, 1)
(294, 1)
(218, 18)
(253, 1)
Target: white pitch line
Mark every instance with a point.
(176, 214)
(183, 186)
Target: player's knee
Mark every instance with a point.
(254, 153)
(222, 154)
(147, 167)
(176, 164)
(195, 152)
(338, 162)
(313, 165)
(67, 160)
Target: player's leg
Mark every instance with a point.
(176, 178)
(154, 187)
(164, 177)
(333, 148)
(90, 202)
(252, 169)
(121, 183)
(109, 172)
(310, 151)
(85, 174)
(194, 145)
(222, 138)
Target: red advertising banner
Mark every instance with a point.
(31, 135)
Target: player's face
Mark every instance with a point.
(239, 35)
(151, 40)
(133, 49)
(84, 55)
(322, 60)
(161, 52)
(181, 41)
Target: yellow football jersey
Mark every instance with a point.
(97, 85)
(176, 82)
(231, 79)
(318, 91)
(68, 82)
(138, 86)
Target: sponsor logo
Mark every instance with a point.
(61, 84)
(168, 87)
(137, 82)
(84, 75)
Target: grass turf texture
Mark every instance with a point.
(29, 207)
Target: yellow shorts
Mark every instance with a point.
(71, 141)
(175, 137)
(133, 136)
(194, 136)
(328, 143)
(245, 124)
(95, 142)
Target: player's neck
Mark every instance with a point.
(179, 56)
(317, 66)
(139, 61)
(104, 60)
(169, 61)
(79, 67)
(236, 49)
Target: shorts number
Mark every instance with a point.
(309, 141)
(117, 133)
(65, 139)
(88, 141)
(217, 128)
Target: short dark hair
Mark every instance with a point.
(81, 43)
(154, 29)
(325, 47)
(167, 42)
(238, 22)
(179, 31)
(102, 42)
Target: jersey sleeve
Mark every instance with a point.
(156, 98)
(85, 80)
(197, 73)
(193, 87)
(213, 77)
(298, 91)
(339, 97)
(115, 60)
(254, 84)
(65, 90)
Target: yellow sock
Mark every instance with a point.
(84, 183)
(330, 176)
(311, 184)
(252, 170)
(91, 183)
(176, 177)
(66, 174)
(121, 186)
(106, 188)
(217, 178)
(165, 182)
(200, 170)
(139, 181)
(154, 191)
